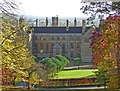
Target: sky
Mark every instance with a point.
(49, 8)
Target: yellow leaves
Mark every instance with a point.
(106, 58)
(14, 74)
(40, 80)
(33, 77)
(14, 50)
(24, 80)
(115, 66)
(93, 27)
(113, 82)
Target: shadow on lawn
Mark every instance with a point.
(90, 75)
(72, 69)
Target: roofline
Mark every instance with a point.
(61, 27)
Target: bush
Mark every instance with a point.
(50, 64)
(63, 60)
(34, 59)
(78, 62)
(58, 63)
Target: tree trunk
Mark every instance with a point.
(14, 81)
(105, 85)
(28, 85)
(29, 82)
(52, 74)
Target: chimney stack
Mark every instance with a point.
(46, 21)
(75, 22)
(37, 23)
(55, 21)
(67, 23)
(83, 26)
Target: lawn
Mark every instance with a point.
(75, 73)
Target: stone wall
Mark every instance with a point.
(86, 53)
(49, 45)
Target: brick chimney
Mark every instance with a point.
(37, 23)
(55, 21)
(75, 22)
(46, 21)
(67, 23)
(83, 26)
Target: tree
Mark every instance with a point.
(34, 59)
(58, 63)
(7, 77)
(35, 74)
(63, 59)
(66, 61)
(105, 46)
(78, 62)
(9, 7)
(100, 8)
(15, 54)
(102, 75)
(50, 64)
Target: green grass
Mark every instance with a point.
(17, 80)
(76, 73)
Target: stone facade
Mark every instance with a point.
(71, 42)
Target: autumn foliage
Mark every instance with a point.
(17, 60)
(105, 46)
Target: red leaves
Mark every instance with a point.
(7, 77)
(105, 41)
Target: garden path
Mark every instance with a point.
(81, 67)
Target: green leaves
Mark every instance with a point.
(78, 62)
(55, 64)
(63, 59)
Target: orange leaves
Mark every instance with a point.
(113, 82)
(104, 46)
(7, 76)
(104, 42)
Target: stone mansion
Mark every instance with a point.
(69, 41)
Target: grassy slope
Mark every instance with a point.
(76, 73)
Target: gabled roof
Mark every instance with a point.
(57, 29)
(57, 46)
